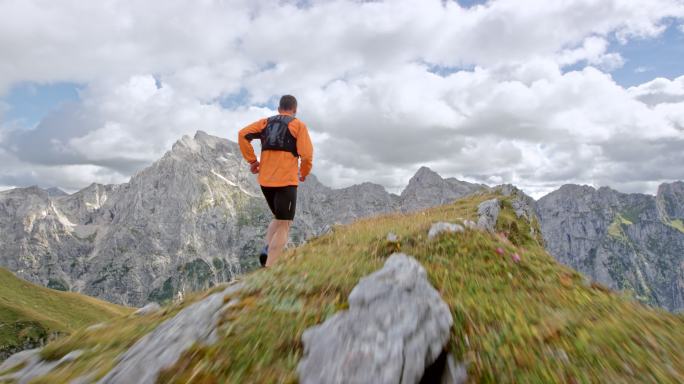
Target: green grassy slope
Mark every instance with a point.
(531, 321)
(31, 312)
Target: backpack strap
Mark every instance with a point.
(286, 119)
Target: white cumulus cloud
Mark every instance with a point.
(483, 93)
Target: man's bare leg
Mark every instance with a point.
(271, 230)
(278, 241)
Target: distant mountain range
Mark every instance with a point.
(196, 217)
(347, 308)
(193, 218)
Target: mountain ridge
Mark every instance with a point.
(193, 218)
(632, 242)
(514, 314)
(196, 217)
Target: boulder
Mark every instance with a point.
(33, 366)
(443, 227)
(161, 348)
(396, 326)
(488, 212)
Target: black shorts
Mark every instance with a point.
(282, 201)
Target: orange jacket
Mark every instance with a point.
(279, 168)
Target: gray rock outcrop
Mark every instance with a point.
(162, 347)
(395, 327)
(488, 213)
(523, 205)
(33, 366)
(442, 227)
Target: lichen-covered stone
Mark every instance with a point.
(488, 213)
(162, 347)
(395, 327)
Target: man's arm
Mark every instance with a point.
(246, 135)
(305, 151)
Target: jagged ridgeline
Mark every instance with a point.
(513, 314)
(30, 315)
(196, 218)
(179, 225)
(192, 219)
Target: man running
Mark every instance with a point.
(284, 141)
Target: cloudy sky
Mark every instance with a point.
(537, 93)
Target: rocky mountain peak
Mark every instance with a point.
(212, 142)
(30, 190)
(574, 189)
(424, 176)
(203, 147)
(427, 188)
(55, 192)
(24, 199)
(185, 143)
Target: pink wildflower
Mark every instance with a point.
(516, 257)
(500, 251)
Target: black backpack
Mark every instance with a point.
(276, 135)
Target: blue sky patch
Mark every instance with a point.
(470, 3)
(271, 103)
(444, 70)
(234, 100)
(646, 59)
(30, 102)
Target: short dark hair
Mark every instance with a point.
(288, 103)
